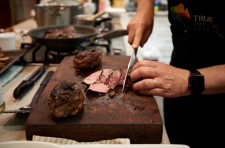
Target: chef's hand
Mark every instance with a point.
(140, 26)
(159, 79)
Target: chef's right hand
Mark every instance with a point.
(141, 25)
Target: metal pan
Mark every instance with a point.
(90, 34)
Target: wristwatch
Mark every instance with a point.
(196, 82)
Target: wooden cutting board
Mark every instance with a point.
(124, 116)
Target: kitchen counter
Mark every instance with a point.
(11, 125)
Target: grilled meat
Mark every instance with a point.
(66, 99)
(87, 59)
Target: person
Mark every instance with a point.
(193, 84)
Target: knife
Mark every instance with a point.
(28, 108)
(130, 65)
(28, 83)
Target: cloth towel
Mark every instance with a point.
(68, 141)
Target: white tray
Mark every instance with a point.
(125, 146)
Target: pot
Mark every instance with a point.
(57, 13)
(91, 20)
(90, 34)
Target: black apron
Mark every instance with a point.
(199, 41)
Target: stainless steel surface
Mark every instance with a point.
(130, 65)
(57, 14)
(90, 20)
(25, 109)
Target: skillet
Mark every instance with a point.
(90, 34)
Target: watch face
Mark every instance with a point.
(196, 82)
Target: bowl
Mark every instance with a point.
(28, 144)
(8, 41)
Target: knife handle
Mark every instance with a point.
(28, 83)
(22, 88)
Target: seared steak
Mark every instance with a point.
(87, 59)
(66, 99)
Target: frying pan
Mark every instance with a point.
(90, 34)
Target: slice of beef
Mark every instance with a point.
(99, 87)
(114, 79)
(66, 99)
(122, 77)
(104, 80)
(92, 78)
(105, 75)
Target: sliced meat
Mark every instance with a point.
(92, 78)
(99, 87)
(104, 80)
(122, 77)
(114, 79)
(105, 75)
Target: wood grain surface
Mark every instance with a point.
(128, 115)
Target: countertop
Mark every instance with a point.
(12, 126)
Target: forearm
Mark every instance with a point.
(145, 7)
(140, 26)
(214, 79)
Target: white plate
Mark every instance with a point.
(39, 144)
(126, 146)
(28, 144)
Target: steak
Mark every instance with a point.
(66, 99)
(87, 59)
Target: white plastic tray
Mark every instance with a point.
(126, 146)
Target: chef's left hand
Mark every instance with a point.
(159, 79)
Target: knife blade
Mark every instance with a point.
(129, 66)
(28, 83)
(28, 108)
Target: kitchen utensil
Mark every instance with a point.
(27, 84)
(90, 17)
(28, 108)
(90, 34)
(129, 66)
(57, 13)
(82, 19)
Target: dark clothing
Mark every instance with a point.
(198, 29)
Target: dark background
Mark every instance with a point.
(14, 11)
